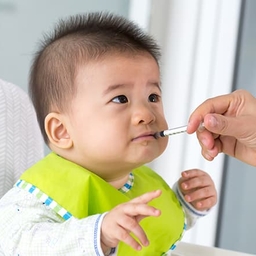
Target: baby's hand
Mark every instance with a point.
(121, 221)
(198, 189)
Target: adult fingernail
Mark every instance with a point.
(208, 156)
(204, 142)
(213, 121)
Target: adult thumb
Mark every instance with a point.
(223, 125)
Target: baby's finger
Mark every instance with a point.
(205, 204)
(200, 194)
(147, 197)
(131, 224)
(197, 182)
(136, 209)
(192, 173)
(121, 231)
(124, 235)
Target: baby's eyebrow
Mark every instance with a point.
(156, 85)
(117, 86)
(112, 88)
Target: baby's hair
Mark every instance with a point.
(76, 41)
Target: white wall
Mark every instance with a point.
(198, 40)
(22, 24)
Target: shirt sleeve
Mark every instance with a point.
(192, 214)
(29, 227)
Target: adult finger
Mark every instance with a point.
(217, 105)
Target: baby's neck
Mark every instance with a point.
(118, 182)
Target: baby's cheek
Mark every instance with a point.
(164, 142)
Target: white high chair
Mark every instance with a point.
(21, 143)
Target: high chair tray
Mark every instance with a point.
(187, 249)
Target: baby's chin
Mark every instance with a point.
(148, 159)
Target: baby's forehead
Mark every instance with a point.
(116, 57)
(118, 71)
(117, 61)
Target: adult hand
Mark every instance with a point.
(230, 126)
(121, 221)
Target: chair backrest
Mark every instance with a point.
(21, 143)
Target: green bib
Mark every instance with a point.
(82, 193)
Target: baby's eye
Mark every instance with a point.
(153, 98)
(120, 99)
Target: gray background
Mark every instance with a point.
(237, 226)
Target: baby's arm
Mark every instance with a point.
(197, 193)
(28, 227)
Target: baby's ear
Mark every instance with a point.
(56, 131)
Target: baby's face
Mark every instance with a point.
(115, 114)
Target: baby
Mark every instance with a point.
(95, 85)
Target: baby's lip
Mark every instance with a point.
(145, 134)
